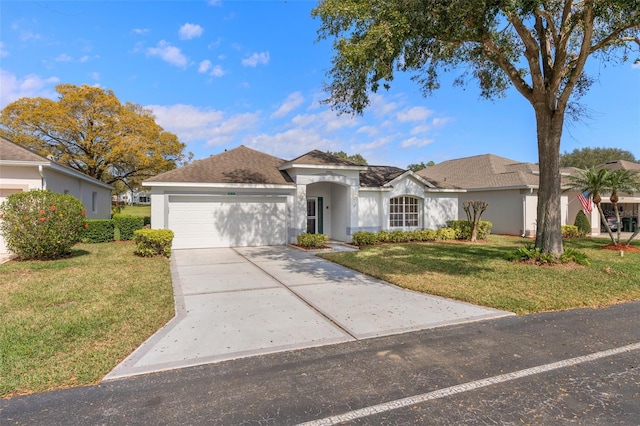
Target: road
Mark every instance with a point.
(572, 367)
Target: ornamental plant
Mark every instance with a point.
(41, 224)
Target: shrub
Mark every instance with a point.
(398, 236)
(126, 225)
(446, 234)
(383, 236)
(571, 231)
(146, 220)
(463, 229)
(41, 224)
(312, 240)
(428, 235)
(98, 231)
(153, 242)
(582, 223)
(532, 254)
(364, 238)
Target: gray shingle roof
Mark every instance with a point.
(10, 151)
(320, 158)
(621, 164)
(238, 165)
(481, 171)
(376, 176)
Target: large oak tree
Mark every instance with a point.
(88, 129)
(538, 47)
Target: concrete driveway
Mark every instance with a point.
(239, 302)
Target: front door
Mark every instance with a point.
(312, 215)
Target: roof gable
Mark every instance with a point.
(10, 151)
(377, 176)
(319, 158)
(240, 165)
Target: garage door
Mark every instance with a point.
(203, 222)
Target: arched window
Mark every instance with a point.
(404, 212)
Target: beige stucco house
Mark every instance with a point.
(22, 170)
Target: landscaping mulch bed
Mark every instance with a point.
(622, 247)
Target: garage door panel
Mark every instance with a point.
(228, 223)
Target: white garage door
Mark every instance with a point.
(203, 222)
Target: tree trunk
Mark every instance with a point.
(549, 226)
(603, 219)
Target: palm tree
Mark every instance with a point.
(594, 182)
(622, 181)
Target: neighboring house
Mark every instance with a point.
(138, 196)
(628, 204)
(22, 170)
(510, 187)
(244, 197)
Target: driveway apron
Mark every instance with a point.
(233, 303)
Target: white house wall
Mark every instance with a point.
(505, 209)
(323, 189)
(97, 208)
(438, 209)
(370, 211)
(24, 178)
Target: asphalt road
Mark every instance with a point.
(573, 367)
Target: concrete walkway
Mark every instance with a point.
(233, 303)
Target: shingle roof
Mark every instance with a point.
(376, 176)
(320, 158)
(621, 164)
(10, 151)
(481, 171)
(238, 165)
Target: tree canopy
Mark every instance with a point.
(539, 47)
(590, 157)
(414, 167)
(88, 129)
(356, 158)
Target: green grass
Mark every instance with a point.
(68, 322)
(136, 210)
(478, 273)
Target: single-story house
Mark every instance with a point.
(22, 170)
(136, 196)
(510, 187)
(243, 197)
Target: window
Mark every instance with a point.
(403, 212)
(94, 202)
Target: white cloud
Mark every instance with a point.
(95, 75)
(168, 53)
(291, 143)
(193, 124)
(261, 58)
(3, 51)
(217, 71)
(190, 31)
(30, 86)
(63, 57)
(415, 142)
(414, 114)
(204, 66)
(140, 30)
(292, 102)
(368, 130)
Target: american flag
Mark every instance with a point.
(585, 201)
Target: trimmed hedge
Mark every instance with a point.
(312, 240)
(98, 231)
(127, 225)
(364, 238)
(571, 231)
(153, 242)
(582, 223)
(463, 229)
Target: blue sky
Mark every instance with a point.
(225, 73)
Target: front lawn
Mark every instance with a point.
(137, 210)
(69, 322)
(478, 273)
